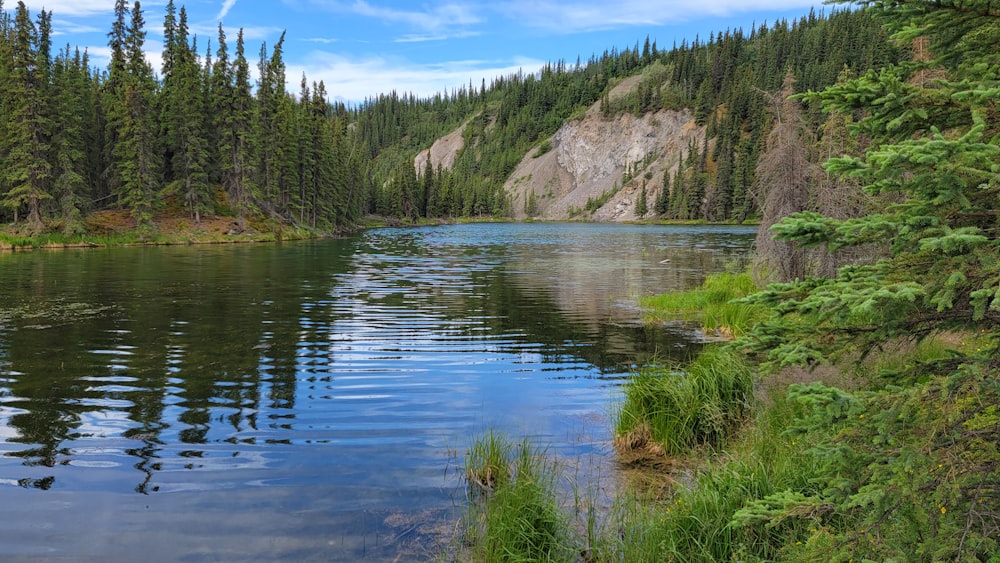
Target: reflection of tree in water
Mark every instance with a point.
(52, 400)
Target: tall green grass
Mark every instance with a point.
(699, 521)
(681, 407)
(517, 516)
(711, 304)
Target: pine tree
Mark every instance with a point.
(270, 117)
(70, 159)
(233, 108)
(641, 205)
(27, 171)
(6, 100)
(662, 203)
(183, 117)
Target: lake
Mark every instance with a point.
(313, 400)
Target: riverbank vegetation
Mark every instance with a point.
(711, 305)
(877, 434)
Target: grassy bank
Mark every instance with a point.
(117, 228)
(711, 305)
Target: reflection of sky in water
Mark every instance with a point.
(327, 381)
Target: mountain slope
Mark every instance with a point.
(593, 159)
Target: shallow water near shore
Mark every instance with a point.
(313, 400)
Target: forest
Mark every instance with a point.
(200, 137)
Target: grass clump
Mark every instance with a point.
(487, 464)
(671, 410)
(514, 513)
(701, 521)
(711, 304)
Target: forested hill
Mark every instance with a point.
(198, 137)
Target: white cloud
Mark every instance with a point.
(435, 20)
(436, 17)
(354, 80)
(224, 10)
(64, 27)
(425, 38)
(71, 7)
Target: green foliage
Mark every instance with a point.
(712, 304)
(543, 148)
(715, 516)
(487, 463)
(134, 140)
(910, 457)
(517, 517)
(683, 407)
(593, 204)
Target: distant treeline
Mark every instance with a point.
(198, 134)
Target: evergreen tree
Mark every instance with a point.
(183, 117)
(662, 203)
(70, 159)
(913, 458)
(6, 99)
(641, 205)
(233, 107)
(135, 153)
(27, 171)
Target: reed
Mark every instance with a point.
(697, 522)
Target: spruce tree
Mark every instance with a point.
(183, 117)
(5, 97)
(70, 159)
(914, 462)
(136, 157)
(233, 107)
(641, 205)
(27, 171)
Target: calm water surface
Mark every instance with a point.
(313, 400)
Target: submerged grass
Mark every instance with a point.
(711, 304)
(671, 410)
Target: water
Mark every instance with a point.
(312, 400)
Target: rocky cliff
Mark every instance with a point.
(594, 158)
(591, 159)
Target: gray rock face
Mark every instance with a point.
(591, 157)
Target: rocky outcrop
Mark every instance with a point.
(589, 159)
(595, 158)
(443, 152)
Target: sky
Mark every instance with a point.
(362, 48)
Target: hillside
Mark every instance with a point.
(688, 127)
(591, 159)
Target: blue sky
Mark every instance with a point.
(361, 48)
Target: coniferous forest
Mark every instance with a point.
(200, 137)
